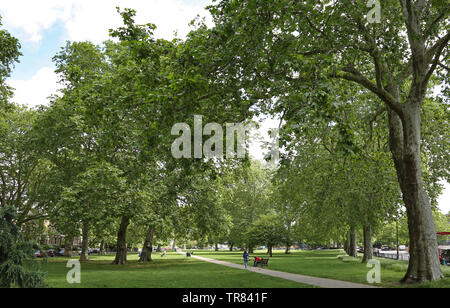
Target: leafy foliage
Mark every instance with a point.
(14, 255)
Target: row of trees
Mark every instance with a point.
(96, 162)
(301, 57)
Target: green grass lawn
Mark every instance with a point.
(178, 271)
(329, 264)
(172, 271)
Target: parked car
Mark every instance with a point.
(385, 248)
(402, 247)
(60, 252)
(94, 251)
(377, 245)
(51, 253)
(38, 254)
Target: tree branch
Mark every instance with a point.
(429, 29)
(351, 74)
(437, 48)
(444, 66)
(434, 64)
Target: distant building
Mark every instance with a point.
(54, 238)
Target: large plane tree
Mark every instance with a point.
(297, 51)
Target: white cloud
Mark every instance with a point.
(91, 20)
(35, 91)
(32, 18)
(87, 21)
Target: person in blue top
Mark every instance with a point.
(245, 255)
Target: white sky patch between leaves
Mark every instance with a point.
(444, 199)
(35, 91)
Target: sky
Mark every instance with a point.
(44, 26)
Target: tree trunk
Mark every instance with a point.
(251, 250)
(269, 250)
(43, 242)
(147, 250)
(405, 139)
(68, 247)
(352, 243)
(231, 247)
(102, 251)
(85, 245)
(288, 248)
(368, 248)
(347, 243)
(121, 254)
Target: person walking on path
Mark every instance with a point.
(245, 255)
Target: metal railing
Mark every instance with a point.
(393, 255)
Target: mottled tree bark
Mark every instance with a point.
(352, 243)
(102, 251)
(121, 254)
(347, 243)
(85, 245)
(147, 250)
(404, 140)
(368, 248)
(68, 247)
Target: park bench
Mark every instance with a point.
(263, 262)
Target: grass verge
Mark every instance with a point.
(172, 271)
(332, 264)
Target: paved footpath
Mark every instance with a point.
(314, 281)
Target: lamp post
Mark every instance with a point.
(398, 250)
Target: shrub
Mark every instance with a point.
(16, 270)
